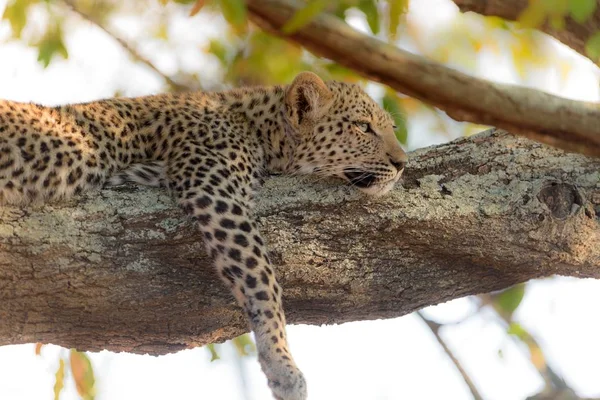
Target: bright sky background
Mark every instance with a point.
(377, 360)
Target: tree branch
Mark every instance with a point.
(574, 34)
(435, 329)
(124, 270)
(126, 46)
(568, 124)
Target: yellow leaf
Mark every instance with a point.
(197, 7)
(38, 348)
(397, 9)
(533, 16)
(59, 379)
(244, 344)
(83, 374)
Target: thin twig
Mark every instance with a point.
(126, 46)
(435, 329)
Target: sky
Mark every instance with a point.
(384, 359)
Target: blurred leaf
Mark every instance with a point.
(266, 60)
(304, 16)
(50, 45)
(557, 22)
(533, 16)
(197, 7)
(592, 47)
(16, 14)
(218, 49)
(235, 13)
(242, 342)
(38, 348)
(59, 379)
(515, 329)
(582, 10)
(83, 374)
(186, 2)
(340, 73)
(369, 8)
(508, 300)
(390, 104)
(528, 50)
(397, 9)
(213, 353)
(341, 7)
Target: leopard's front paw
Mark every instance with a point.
(286, 381)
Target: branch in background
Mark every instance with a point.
(435, 329)
(568, 124)
(177, 87)
(574, 34)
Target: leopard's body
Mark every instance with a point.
(211, 150)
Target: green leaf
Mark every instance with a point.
(582, 10)
(592, 47)
(213, 352)
(244, 344)
(83, 374)
(397, 9)
(304, 16)
(516, 329)
(16, 14)
(50, 45)
(218, 49)
(508, 300)
(235, 13)
(59, 379)
(369, 8)
(391, 105)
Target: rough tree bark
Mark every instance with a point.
(122, 269)
(557, 121)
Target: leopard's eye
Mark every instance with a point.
(394, 127)
(363, 126)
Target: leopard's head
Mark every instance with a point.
(341, 132)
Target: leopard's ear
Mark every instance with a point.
(307, 99)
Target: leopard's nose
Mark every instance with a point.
(398, 164)
(398, 160)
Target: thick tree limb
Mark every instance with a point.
(574, 34)
(123, 270)
(568, 124)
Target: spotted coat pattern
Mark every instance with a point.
(211, 151)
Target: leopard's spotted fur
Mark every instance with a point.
(211, 150)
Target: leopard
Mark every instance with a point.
(211, 151)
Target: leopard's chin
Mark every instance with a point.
(378, 189)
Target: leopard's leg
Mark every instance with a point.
(218, 201)
(151, 173)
